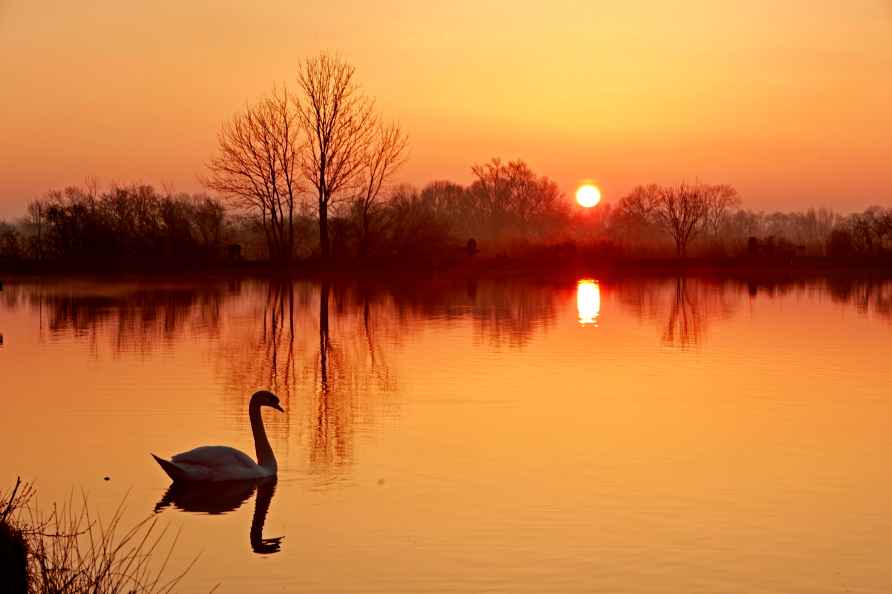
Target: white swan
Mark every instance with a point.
(222, 463)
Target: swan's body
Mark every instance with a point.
(213, 463)
(222, 463)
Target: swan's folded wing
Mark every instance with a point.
(214, 457)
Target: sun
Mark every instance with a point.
(588, 195)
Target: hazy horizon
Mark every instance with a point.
(789, 104)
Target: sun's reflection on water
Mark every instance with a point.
(588, 302)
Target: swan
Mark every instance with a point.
(222, 463)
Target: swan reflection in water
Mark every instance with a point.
(224, 497)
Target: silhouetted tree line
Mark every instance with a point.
(507, 204)
(510, 210)
(507, 209)
(120, 227)
(708, 220)
(307, 174)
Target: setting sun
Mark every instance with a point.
(588, 195)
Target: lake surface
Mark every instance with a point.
(641, 436)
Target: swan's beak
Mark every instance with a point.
(278, 408)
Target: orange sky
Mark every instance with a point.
(789, 101)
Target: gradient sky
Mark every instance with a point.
(791, 102)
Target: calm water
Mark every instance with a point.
(615, 436)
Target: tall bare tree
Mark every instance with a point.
(682, 211)
(384, 156)
(339, 123)
(257, 164)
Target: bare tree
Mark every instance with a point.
(633, 220)
(257, 167)
(683, 211)
(680, 212)
(339, 122)
(510, 199)
(640, 203)
(720, 201)
(36, 223)
(384, 156)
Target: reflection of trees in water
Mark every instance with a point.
(503, 313)
(513, 313)
(684, 325)
(694, 304)
(682, 307)
(334, 414)
(866, 296)
(139, 317)
(685, 307)
(129, 317)
(263, 356)
(644, 299)
(320, 349)
(325, 349)
(257, 351)
(13, 295)
(358, 327)
(352, 378)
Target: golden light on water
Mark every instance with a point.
(588, 195)
(588, 302)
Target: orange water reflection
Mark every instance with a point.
(723, 412)
(588, 302)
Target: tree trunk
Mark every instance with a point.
(290, 253)
(323, 230)
(276, 235)
(680, 248)
(270, 248)
(364, 242)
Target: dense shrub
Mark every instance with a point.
(121, 227)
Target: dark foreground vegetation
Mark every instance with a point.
(303, 182)
(70, 551)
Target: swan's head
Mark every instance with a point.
(264, 398)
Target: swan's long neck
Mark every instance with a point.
(265, 455)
